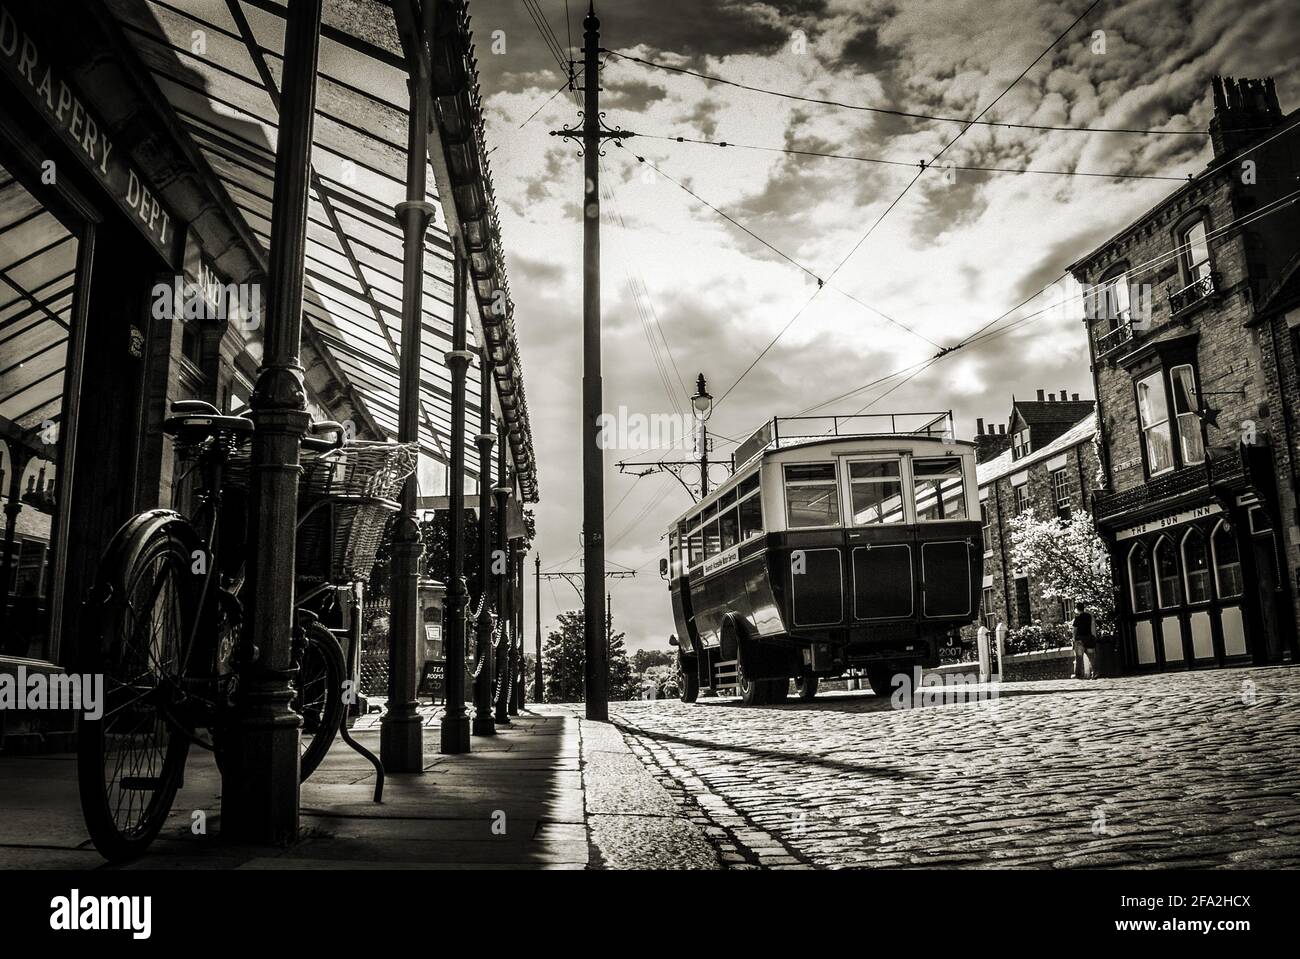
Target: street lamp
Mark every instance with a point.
(702, 402)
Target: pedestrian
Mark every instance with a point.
(1085, 644)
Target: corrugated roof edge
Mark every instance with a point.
(459, 116)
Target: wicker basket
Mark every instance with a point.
(345, 499)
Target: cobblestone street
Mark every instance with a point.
(1190, 770)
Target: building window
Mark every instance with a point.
(1153, 416)
(1227, 562)
(1021, 494)
(986, 525)
(1139, 578)
(1187, 411)
(1024, 613)
(1196, 567)
(811, 495)
(986, 609)
(1061, 492)
(1196, 252)
(940, 492)
(1020, 443)
(1113, 301)
(1166, 558)
(876, 492)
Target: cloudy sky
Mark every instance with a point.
(957, 251)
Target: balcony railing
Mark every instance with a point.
(1224, 469)
(1192, 295)
(1115, 340)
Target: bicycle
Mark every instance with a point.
(162, 623)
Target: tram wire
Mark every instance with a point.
(910, 183)
(985, 333)
(905, 114)
(781, 253)
(908, 163)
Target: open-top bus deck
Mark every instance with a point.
(832, 546)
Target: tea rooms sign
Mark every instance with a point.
(26, 64)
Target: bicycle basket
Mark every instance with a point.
(345, 499)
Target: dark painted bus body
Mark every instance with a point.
(823, 555)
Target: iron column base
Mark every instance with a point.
(401, 742)
(455, 734)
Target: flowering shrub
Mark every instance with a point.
(1070, 560)
(1036, 637)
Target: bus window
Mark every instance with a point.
(811, 495)
(729, 527)
(751, 515)
(876, 491)
(748, 485)
(696, 544)
(940, 493)
(711, 538)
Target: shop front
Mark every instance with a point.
(84, 231)
(1197, 568)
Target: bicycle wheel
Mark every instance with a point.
(318, 696)
(130, 761)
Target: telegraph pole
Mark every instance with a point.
(593, 460)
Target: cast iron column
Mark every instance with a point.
(455, 721)
(517, 703)
(259, 796)
(593, 459)
(401, 732)
(502, 555)
(483, 724)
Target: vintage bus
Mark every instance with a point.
(838, 543)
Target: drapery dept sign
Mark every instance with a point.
(27, 66)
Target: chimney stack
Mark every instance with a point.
(1075, 397)
(1051, 397)
(979, 426)
(1040, 396)
(1243, 110)
(1002, 428)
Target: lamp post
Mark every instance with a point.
(702, 404)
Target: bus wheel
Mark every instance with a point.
(688, 680)
(880, 679)
(754, 692)
(806, 686)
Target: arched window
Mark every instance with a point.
(1166, 563)
(1196, 567)
(1227, 562)
(1139, 577)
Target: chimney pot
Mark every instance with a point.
(1051, 397)
(1040, 395)
(1002, 428)
(979, 426)
(1075, 397)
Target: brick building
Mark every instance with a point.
(1191, 315)
(1042, 459)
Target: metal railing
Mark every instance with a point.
(1115, 339)
(1193, 294)
(790, 430)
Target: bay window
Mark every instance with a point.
(1187, 412)
(1153, 417)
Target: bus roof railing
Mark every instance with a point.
(781, 431)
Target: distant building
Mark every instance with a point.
(1042, 459)
(1191, 311)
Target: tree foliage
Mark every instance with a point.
(564, 661)
(1069, 559)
